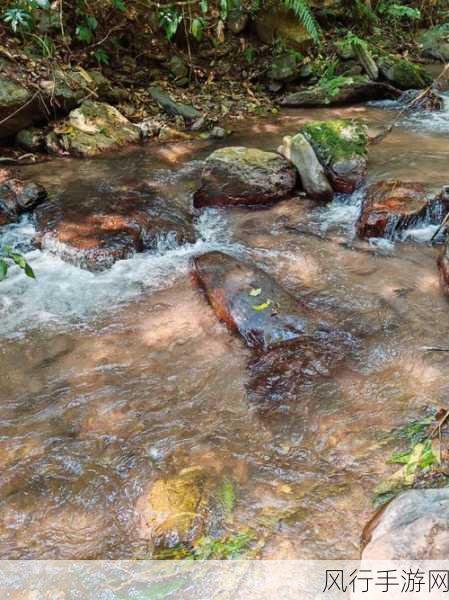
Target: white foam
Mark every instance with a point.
(65, 294)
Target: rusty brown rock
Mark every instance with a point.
(392, 206)
(291, 344)
(250, 302)
(96, 232)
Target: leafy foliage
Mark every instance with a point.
(8, 255)
(305, 16)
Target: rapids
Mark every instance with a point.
(110, 379)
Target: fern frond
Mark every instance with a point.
(305, 16)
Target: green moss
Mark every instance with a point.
(404, 74)
(337, 140)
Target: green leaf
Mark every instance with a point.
(3, 269)
(261, 307)
(227, 495)
(19, 260)
(197, 28)
(29, 271)
(204, 6)
(305, 16)
(255, 292)
(119, 5)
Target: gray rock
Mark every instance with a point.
(414, 526)
(93, 128)
(18, 197)
(174, 108)
(435, 42)
(363, 55)
(17, 109)
(244, 176)
(283, 68)
(32, 139)
(298, 150)
(404, 74)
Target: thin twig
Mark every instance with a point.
(440, 228)
(438, 425)
(389, 129)
(19, 109)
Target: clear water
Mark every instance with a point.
(110, 380)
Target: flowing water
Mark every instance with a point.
(110, 380)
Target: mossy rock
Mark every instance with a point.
(277, 22)
(341, 147)
(435, 42)
(16, 109)
(183, 508)
(94, 128)
(31, 139)
(69, 87)
(285, 67)
(404, 74)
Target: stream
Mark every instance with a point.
(111, 380)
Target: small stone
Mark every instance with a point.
(218, 133)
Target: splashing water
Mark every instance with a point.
(65, 294)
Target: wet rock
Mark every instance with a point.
(435, 42)
(218, 133)
(403, 74)
(244, 176)
(189, 113)
(430, 101)
(17, 107)
(414, 526)
(351, 90)
(93, 232)
(291, 344)
(180, 509)
(238, 292)
(32, 139)
(18, 197)
(341, 147)
(284, 68)
(93, 128)
(277, 22)
(393, 206)
(169, 134)
(298, 150)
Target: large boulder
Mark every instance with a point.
(182, 508)
(341, 147)
(435, 42)
(91, 129)
(314, 181)
(414, 526)
(392, 206)
(291, 344)
(345, 90)
(18, 109)
(403, 74)
(278, 22)
(95, 232)
(18, 197)
(244, 176)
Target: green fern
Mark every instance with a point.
(305, 16)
